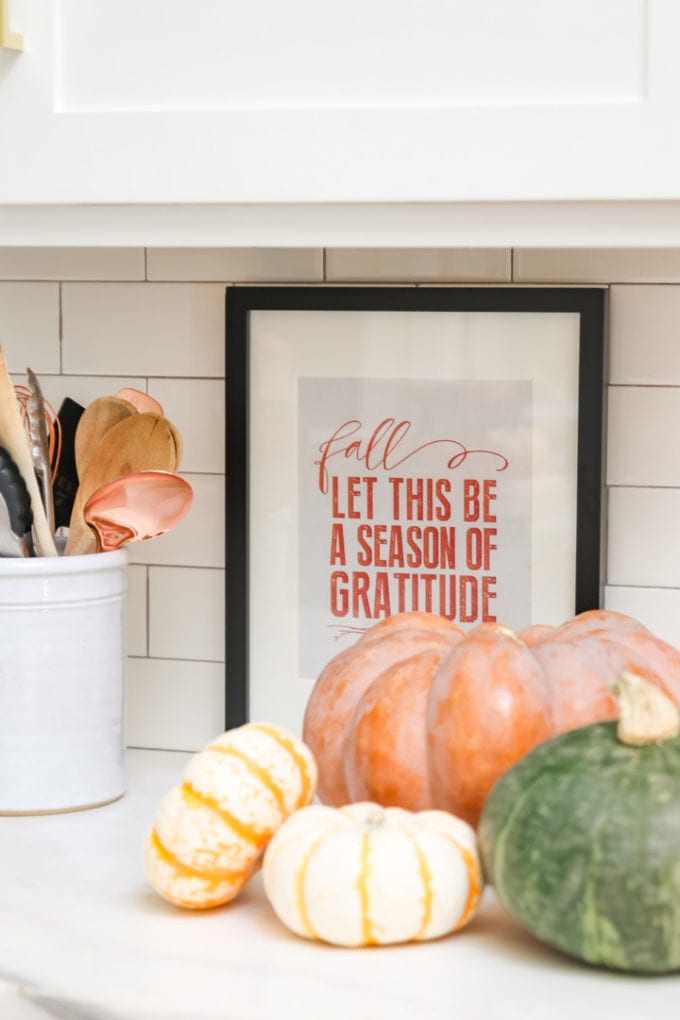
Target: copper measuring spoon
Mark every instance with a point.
(137, 507)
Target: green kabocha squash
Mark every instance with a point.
(581, 837)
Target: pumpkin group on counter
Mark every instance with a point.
(364, 875)
(581, 837)
(419, 714)
(415, 732)
(211, 830)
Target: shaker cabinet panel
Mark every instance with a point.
(219, 55)
(363, 101)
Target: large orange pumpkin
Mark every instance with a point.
(419, 714)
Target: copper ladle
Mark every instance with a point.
(136, 507)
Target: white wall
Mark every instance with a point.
(89, 321)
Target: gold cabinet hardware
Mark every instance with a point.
(8, 40)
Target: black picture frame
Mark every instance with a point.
(588, 303)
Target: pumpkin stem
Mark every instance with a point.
(646, 714)
(500, 628)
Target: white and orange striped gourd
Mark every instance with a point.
(210, 831)
(365, 875)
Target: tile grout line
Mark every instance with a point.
(644, 587)
(163, 750)
(147, 581)
(173, 658)
(175, 566)
(61, 327)
(644, 486)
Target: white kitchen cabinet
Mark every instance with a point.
(361, 103)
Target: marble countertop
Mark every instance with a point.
(83, 937)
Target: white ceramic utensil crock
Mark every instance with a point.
(62, 674)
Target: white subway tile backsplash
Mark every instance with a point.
(643, 548)
(196, 407)
(186, 619)
(643, 422)
(173, 705)
(71, 263)
(29, 326)
(137, 623)
(167, 338)
(198, 540)
(426, 265)
(236, 265)
(645, 335)
(657, 608)
(596, 265)
(143, 329)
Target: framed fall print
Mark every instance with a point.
(398, 449)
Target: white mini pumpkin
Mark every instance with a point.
(364, 875)
(210, 831)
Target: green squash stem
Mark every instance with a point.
(646, 714)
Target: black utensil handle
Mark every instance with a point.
(65, 481)
(15, 493)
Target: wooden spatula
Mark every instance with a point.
(13, 438)
(141, 442)
(98, 417)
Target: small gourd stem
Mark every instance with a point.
(646, 714)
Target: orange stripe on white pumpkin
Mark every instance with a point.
(426, 876)
(303, 763)
(368, 935)
(260, 773)
(218, 876)
(475, 882)
(300, 889)
(243, 831)
(187, 886)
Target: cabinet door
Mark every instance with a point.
(357, 101)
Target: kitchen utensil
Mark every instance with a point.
(141, 442)
(17, 516)
(179, 449)
(142, 401)
(136, 507)
(10, 544)
(98, 417)
(65, 483)
(40, 444)
(52, 424)
(13, 438)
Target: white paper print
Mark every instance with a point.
(413, 495)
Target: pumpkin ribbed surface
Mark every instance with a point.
(210, 831)
(581, 839)
(419, 714)
(362, 875)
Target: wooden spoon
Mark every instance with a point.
(178, 442)
(141, 442)
(95, 421)
(13, 438)
(143, 402)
